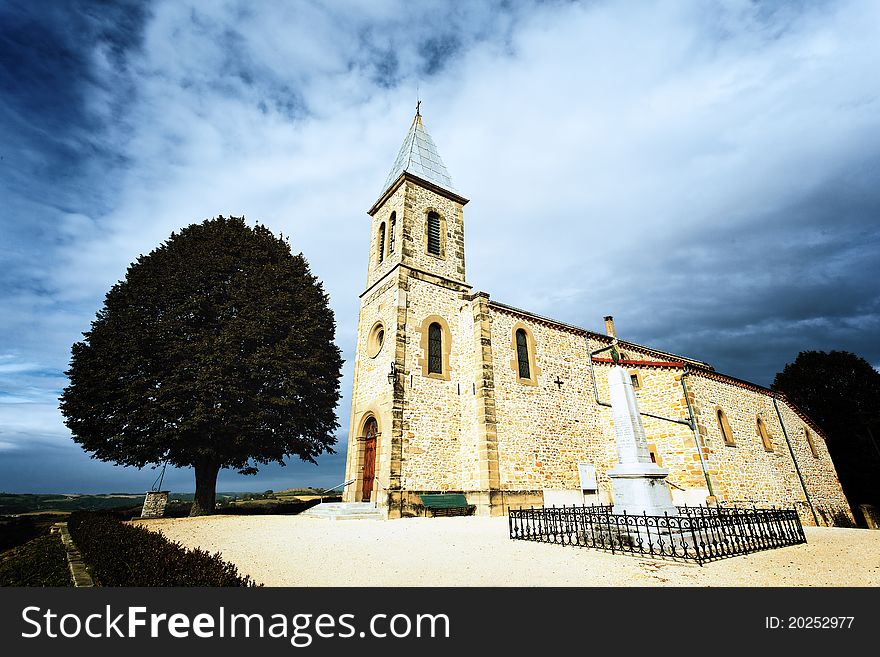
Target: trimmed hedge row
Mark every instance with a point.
(129, 555)
(18, 531)
(40, 562)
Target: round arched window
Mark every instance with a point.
(375, 339)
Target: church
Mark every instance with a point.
(455, 392)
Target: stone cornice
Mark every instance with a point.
(406, 175)
(436, 279)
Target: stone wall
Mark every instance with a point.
(545, 429)
(439, 412)
(154, 504)
(372, 395)
(747, 471)
(394, 204)
(420, 201)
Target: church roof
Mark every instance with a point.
(418, 156)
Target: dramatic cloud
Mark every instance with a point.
(706, 172)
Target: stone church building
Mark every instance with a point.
(456, 392)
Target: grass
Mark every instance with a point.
(39, 562)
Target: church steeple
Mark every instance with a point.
(418, 222)
(418, 158)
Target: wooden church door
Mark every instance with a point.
(371, 430)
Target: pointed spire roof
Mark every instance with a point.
(418, 157)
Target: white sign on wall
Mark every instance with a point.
(587, 474)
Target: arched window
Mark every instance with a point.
(382, 242)
(375, 339)
(391, 223)
(724, 428)
(764, 434)
(434, 233)
(435, 349)
(523, 359)
(522, 354)
(809, 437)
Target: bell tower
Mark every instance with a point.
(415, 285)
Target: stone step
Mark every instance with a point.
(344, 511)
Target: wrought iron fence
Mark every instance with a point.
(698, 533)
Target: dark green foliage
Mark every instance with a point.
(841, 392)
(216, 351)
(15, 531)
(273, 508)
(128, 555)
(39, 562)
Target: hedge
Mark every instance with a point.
(130, 555)
(18, 531)
(40, 562)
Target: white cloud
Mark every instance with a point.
(691, 169)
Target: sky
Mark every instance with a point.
(705, 172)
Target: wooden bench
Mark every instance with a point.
(447, 504)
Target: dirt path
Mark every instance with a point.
(301, 551)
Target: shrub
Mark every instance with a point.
(17, 531)
(273, 508)
(131, 555)
(40, 562)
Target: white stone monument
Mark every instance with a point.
(638, 484)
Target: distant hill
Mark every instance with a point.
(20, 503)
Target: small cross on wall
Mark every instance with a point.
(559, 382)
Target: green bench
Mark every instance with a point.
(447, 504)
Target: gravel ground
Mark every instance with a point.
(302, 551)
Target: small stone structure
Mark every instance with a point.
(154, 504)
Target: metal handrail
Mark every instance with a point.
(342, 485)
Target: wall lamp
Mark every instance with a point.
(392, 375)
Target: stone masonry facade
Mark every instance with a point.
(477, 427)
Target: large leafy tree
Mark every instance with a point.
(216, 351)
(841, 392)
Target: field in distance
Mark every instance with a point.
(64, 503)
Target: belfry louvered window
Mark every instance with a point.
(391, 223)
(434, 233)
(435, 349)
(382, 242)
(522, 354)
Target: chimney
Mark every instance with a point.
(609, 326)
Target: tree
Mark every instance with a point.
(841, 392)
(215, 352)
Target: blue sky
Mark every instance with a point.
(705, 172)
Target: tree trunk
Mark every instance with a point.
(206, 489)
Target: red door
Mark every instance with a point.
(371, 429)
